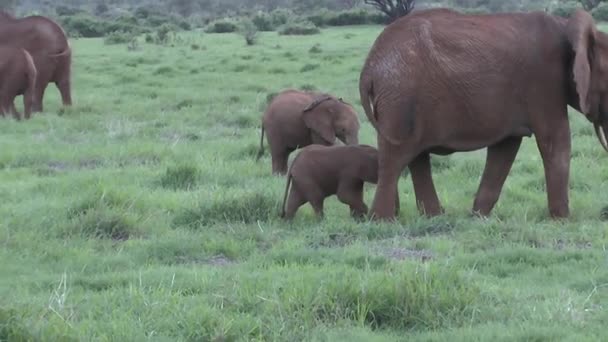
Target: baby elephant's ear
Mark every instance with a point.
(319, 121)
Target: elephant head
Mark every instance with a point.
(331, 117)
(590, 71)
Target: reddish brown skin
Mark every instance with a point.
(17, 77)
(46, 41)
(295, 119)
(319, 171)
(437, 81)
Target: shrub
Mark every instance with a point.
(221, 26)
(263, 21)
(180, 177)
(299, 28)
(565, 9)
(280, 17)
(353, 17)
(118, 37)
(84, 26)
(163, 34)
(244, 208)
(249, 31)
(600, 13)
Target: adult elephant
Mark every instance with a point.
(48, 45)
(438, 81)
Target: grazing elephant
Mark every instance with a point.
(295, 119)
(17, 77)
(320, 171)
(437, 81)
(46, 41)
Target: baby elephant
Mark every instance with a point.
(17, 77)
(320, 171)
(295, 119)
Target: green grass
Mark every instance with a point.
(141, 214)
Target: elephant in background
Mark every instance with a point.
(295, 119)
(48, 45)
(437, 81)
(17, 77)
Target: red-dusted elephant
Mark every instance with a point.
(48, 45)
(437, 82)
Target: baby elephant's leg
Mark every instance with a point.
(351, 193)
(294, 202)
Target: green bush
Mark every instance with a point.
(249, 31)
(181, 177)
(600, 13)
(299, 28)
(84, 26)
(263, 21)
(280, 17)
(118, 37)
(353, 17)
(565, 9)
(222, 26)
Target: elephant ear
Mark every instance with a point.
(319, 121)
(581, 34)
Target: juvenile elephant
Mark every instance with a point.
(47, 43)
(295, 119)
(318, 172)
(437, 81)
(17, 77)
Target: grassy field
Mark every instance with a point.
(141, 214)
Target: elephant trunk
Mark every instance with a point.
(600, 131)
(350, 140)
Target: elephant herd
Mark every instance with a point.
(34, 51)
(434, 82)
(437, 82)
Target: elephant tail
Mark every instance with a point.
(366, 91)
(31, 68)
(261, 151)
(370, 106)
(287, 183)
(66, 52)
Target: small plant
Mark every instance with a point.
(244, 208)
(309, 67)
(221, 26)
(163, 34)
(299, 28)
(133, 45)
(315, 49)
(118, 37)
(182, 177)
(249, 31)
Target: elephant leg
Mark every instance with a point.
(294, 202)
(499, 160)
(15, 112)
(352, 195)
(38, 96)
(392, 160)
(280, 160)
(64, 85)
(422, 179)
(554, 148)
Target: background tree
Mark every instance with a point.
(8, 5)
(393, 9)
(590, 4)
(349, 4)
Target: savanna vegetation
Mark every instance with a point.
(140, 212)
